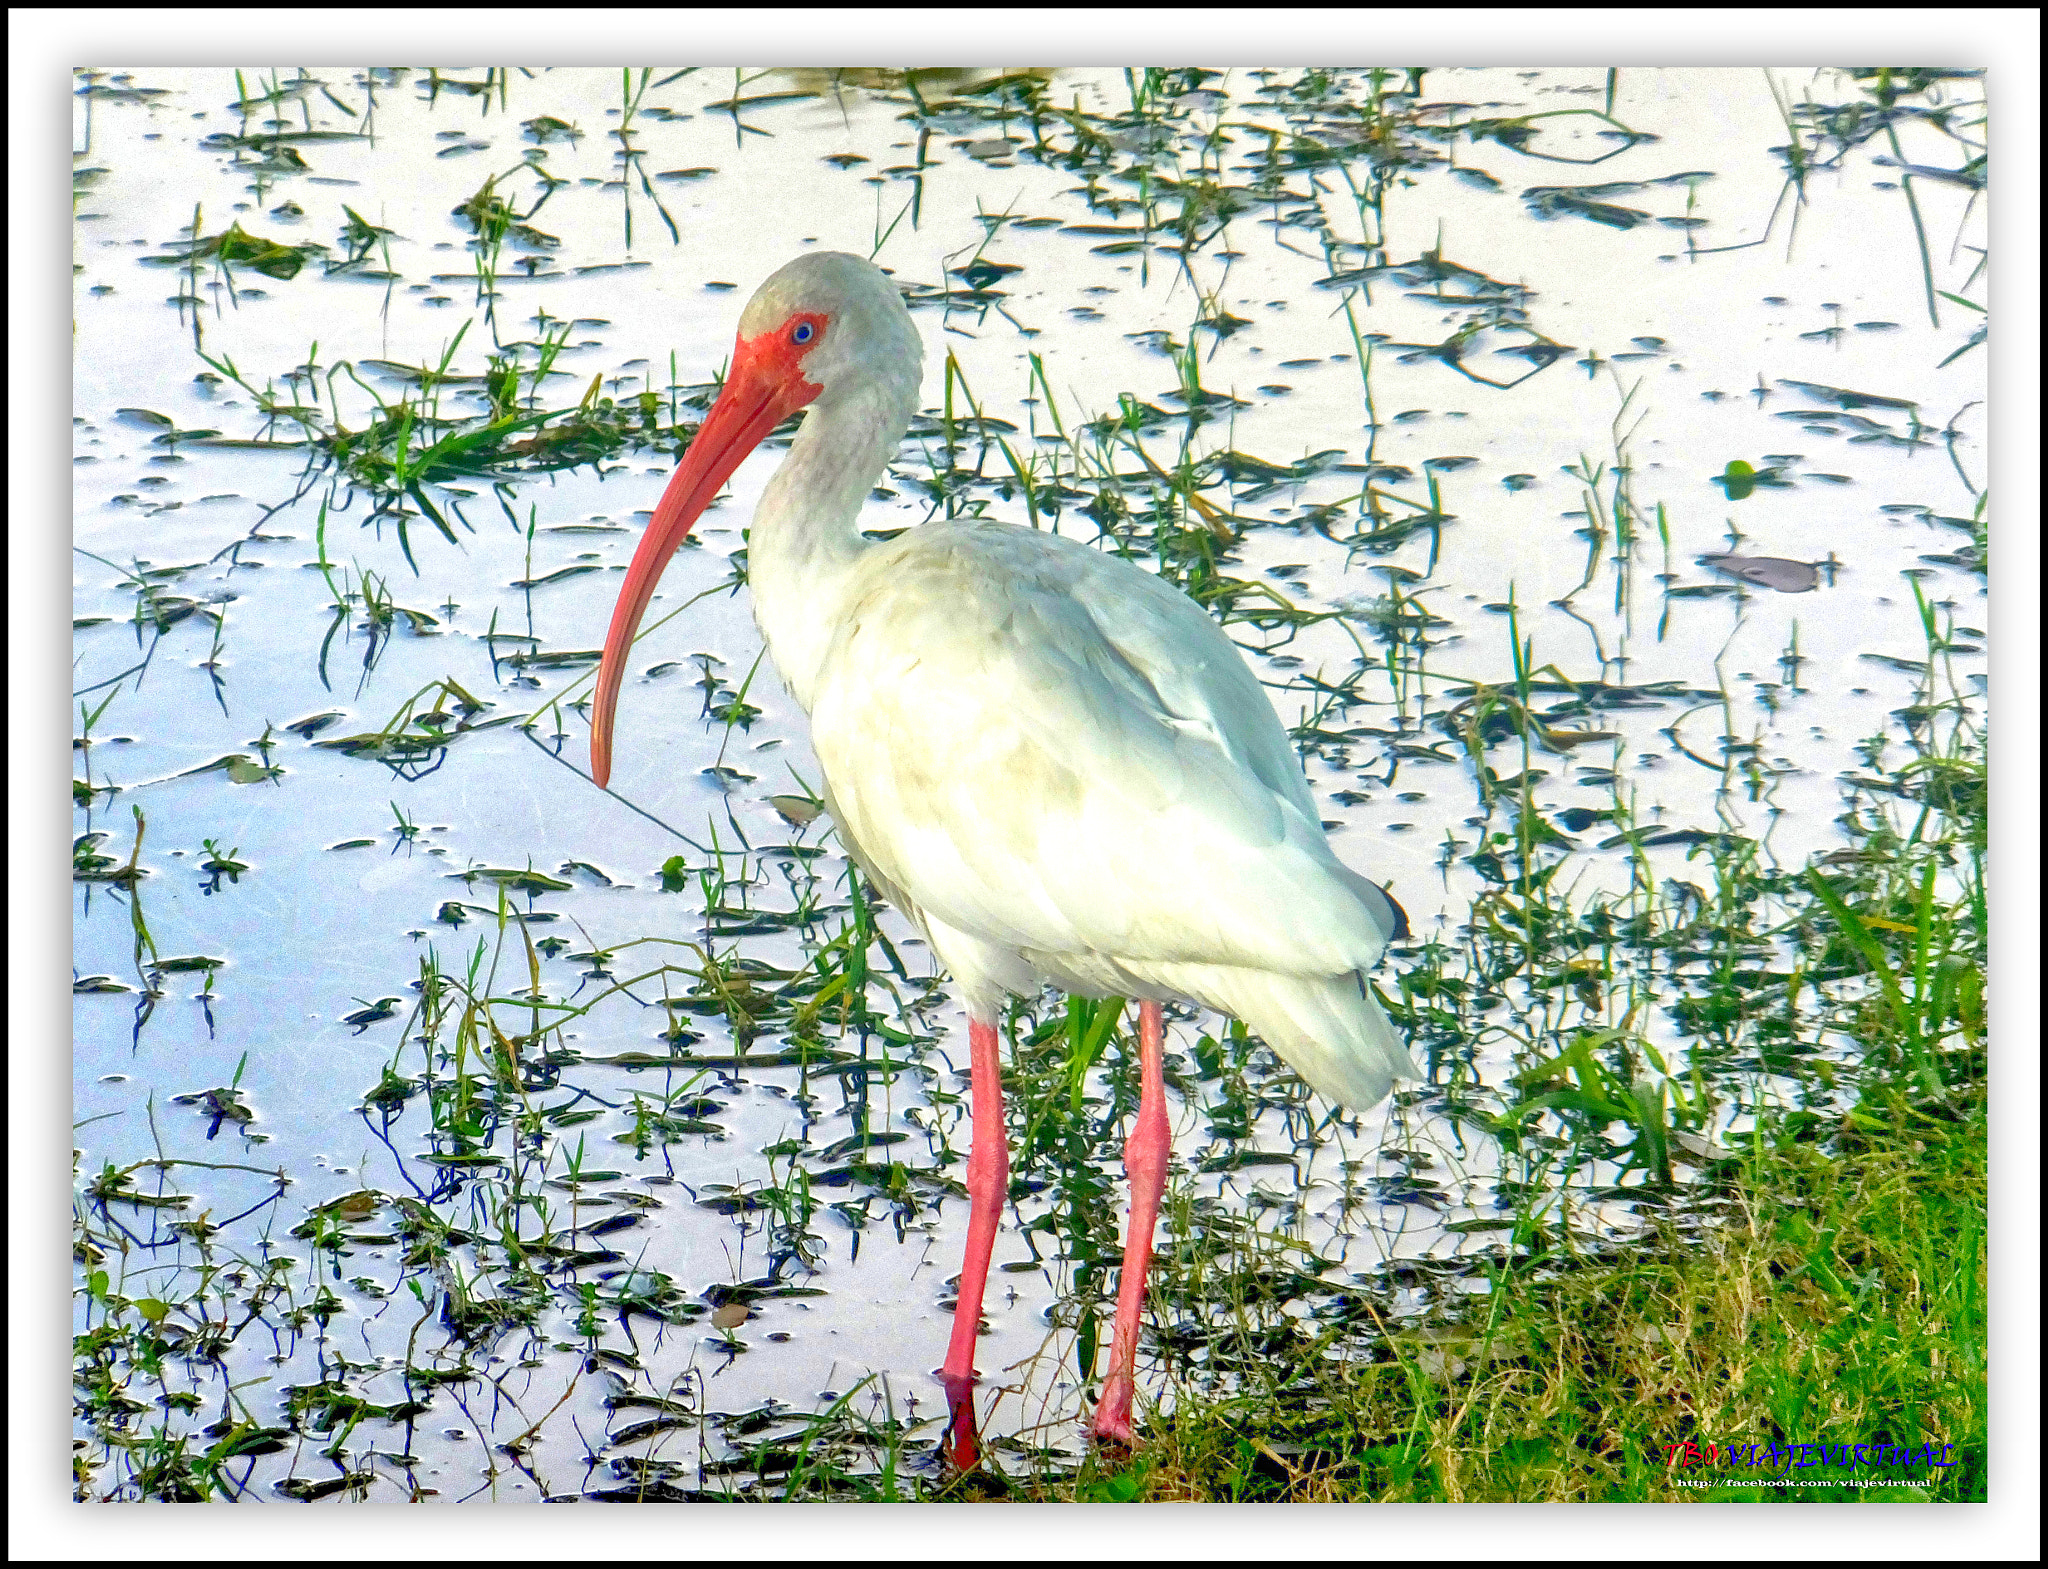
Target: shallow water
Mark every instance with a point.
(1604, 335)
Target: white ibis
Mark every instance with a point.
(1057, 765)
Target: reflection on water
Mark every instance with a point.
(1586, 461)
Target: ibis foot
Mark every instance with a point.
(962, 1444)
(1112, 1422)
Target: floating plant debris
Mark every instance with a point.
(1787, 577)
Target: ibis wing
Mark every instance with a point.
(1051, 749)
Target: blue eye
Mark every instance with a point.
(802, 333)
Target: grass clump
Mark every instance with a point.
(1838, 1302)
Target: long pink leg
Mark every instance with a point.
(1145, 1162)
(988, 1185)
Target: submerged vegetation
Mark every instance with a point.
(1698, 1168)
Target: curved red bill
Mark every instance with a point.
(765, 386)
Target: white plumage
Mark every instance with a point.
(1053, 762)
(1063, 770)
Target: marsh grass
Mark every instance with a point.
(1831, 1289)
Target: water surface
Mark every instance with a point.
(1584, 460)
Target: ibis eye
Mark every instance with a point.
(802, 334)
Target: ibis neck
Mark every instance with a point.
(806, 540)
